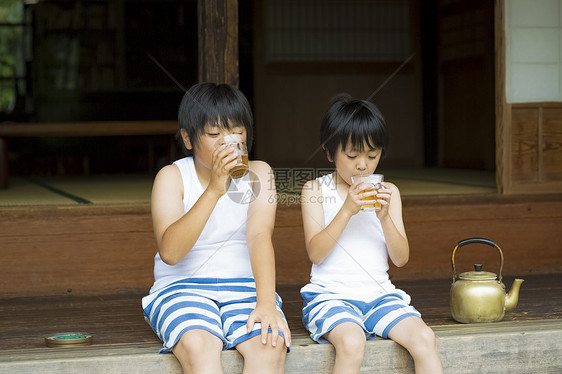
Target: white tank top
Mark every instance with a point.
(221, 250)
(359, 262)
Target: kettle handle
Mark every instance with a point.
(464, 242)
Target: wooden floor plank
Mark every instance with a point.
(118, 319)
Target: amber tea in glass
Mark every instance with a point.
(241, 168)
(374, 182)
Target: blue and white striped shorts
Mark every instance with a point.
(324, 311)
(219, 306)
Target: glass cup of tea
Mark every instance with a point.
(373, 183)
(237, 142)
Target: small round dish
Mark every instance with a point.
(68, 339)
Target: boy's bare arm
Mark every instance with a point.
(259, 229)
(392, 224)
(320, 241)
(176, 232)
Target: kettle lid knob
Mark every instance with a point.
(478, 267)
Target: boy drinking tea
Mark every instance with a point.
(350, 298)
(214, 271)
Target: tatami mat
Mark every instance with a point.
(25, 192)
(442, 181)
(133, 189)
(79, 190)
(107, 189)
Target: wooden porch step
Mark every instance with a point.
(527, 340)
(529, 347)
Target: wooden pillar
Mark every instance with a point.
(503, 110)
(4, 163)
(218, 41)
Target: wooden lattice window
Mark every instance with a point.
(337, 30)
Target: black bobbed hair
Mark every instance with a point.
(209, 104)
(353, 122)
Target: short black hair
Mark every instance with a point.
(211, 104)
(355, 122)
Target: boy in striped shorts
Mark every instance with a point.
(350, 298)
(214, 271)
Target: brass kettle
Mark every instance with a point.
(479, 296)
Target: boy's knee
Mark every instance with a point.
(352, 345)
(275, 357)
(258, 355)
(196, 347)
(424, 340)
(427, 337)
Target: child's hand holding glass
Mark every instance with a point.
(359, 192)
(384, 196)
(369, 186)
(224, 159)
(236, 144)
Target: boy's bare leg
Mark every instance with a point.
(199, 351)
(263, 358)
(349, 341)
(413, 334)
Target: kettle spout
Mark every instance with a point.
(512, 297)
